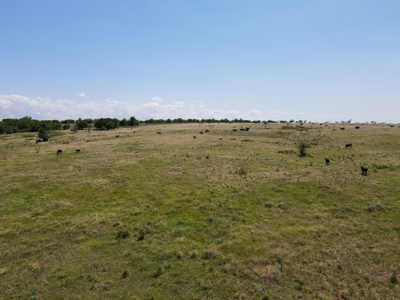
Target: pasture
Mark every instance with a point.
(151, 212)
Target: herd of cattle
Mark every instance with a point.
(364, 170)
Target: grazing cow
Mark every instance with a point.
(59, 152)
(357, 127)
(117, 135)
(247, 129)
(207, 130)
(348, 145)
(78, 151)
(234, 129)
(364, 171)
(159, 132)
(201, 132)
(341, 128)
(327, 161)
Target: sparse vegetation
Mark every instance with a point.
(149, 216)
(302, 145)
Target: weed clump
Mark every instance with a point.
(179, 255)
(141, 236)
(241, 172)
(376, 207)
(194, 254)
(209, 254)
(287, 152)
(393, 278)
(281, 205)
(125, 274)
(122, 235)
(159, 272)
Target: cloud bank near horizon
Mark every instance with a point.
(18, 106)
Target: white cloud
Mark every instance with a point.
(156, 99)
(18, 106)
(81, 94)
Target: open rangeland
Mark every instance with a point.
(178, 212)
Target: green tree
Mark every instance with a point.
(133, 122)
(43, 133)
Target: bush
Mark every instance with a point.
(43, 133)
(302, 146)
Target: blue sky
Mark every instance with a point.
(281, 60)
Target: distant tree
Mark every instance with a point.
(43, 133)
(123, 122)
(133, 121)
(106, 123)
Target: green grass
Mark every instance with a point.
(148, 216)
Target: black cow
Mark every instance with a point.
(159, 132)
(327, 161)
(341, 128)
(59, 152)
(78, 151)
(364, 171)
(348, 145)
(357, 127)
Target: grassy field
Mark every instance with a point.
(225, 215)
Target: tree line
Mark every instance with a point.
(27, 124)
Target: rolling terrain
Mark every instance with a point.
(190, 214)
